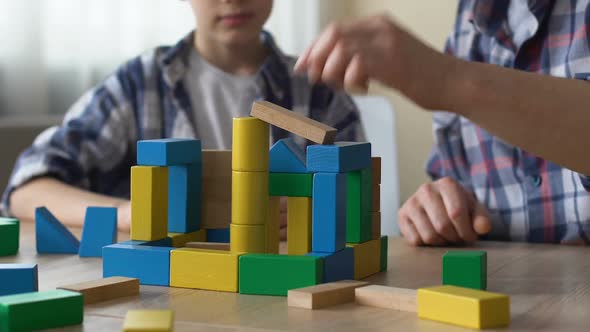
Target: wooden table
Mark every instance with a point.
(549, 288)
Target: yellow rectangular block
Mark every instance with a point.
(247, 238)
(181, 239)
(273, 225)
(299, 225)
(215, 270)
(250, 145)
(149, 203)
(367, 258)
(249, 198)
(149, 321)
(464, 306)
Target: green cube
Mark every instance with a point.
(384, 241)
(291, 184)
(9, 236)
(268, 274)
(465, 269)
(359, 218)
(41, 310)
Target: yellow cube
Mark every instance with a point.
(273, 236)
(149, 320)
(250, 145)
(367, 258)
(149, 203)
(215, 270)
(180, 239)
(299, 225)
(249, 198)
(247, 238)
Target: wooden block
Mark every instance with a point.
(367, 258)
(375, 225)
(299, 225)
(100, 229)
(329, 212)
(376, 170)
(376, 198)
(168, 152)
(273, 236)
(218, 235)
(216, 186)
(204, 269)
(216, 214)
(151, 265)
(52, 236)
(149, 320)
(359, 219)
(291, 184)
(338, 265)
(268, 274)
(249, 198)
(208, 245)
(105, 289)
(18, 278)
(464, 307)
(184, 198)
(287, 157)
(384, 252)
(293, 122)
(324, 295)
(341, 157)
(465, 269)
(41, 310)
(9, 236)
(180, 239)
(216, 163)
(250, 142)
(149, 203)
(402, 299)
(248, 238)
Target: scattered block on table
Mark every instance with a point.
(151, 265)
(299, 225)
(273, 226)
(105, 289)
(384, 253)
(324, 295)
(249, 198)
(168, 152)
(338, 265)
(359, 218)
(269, 274)
(248, 238)
(464, 306)
(100, 229)
(18, 278)
(180, 239)
(287, 157)
(376, 170)
(216, 187)
(149, 203)
(184, 198)
(293, 122)
(41, 310)
(329, 212)
(9, 236)
(291, 184)
(215, 270)
(250, 145)
(208, 245)
(52, 236)
(367, 258)
(375, 225)
(376, 198)
(165, 242)
(341, 157)
(402, 299)
(149, 320)
(218, 235)
(465, 269)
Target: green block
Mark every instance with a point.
(40, 310)
(9, 236)
(291, 184)
(359, 192)
(465, 269)
(268, 274)
(384, 253)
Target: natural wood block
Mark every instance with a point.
(376, 170)
(249, 198)
(180, 239)
(149, 203)
(376, 225)
(402, 299)
(204, 269)
(293, 122)
(105, 289)
(216, 163)
(248, 238)
(149, 320)
(208, 245)
(250, 143)
(299, 225)
(216, 215)
(216, 201)
(324, 295)
(273, 236)
(376, 198)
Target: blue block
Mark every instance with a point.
(328, 212)
(341, 157)
(168, 152)
(151, 265)
(287, 157)
(218, 235)
(52, 236)
(184, 198)
(18, 278)
(338, 265)
(100, 229)
(165, 242)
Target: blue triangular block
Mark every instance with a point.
(52, 236)
(287, 157)
(100, 229)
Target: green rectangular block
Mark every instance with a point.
(359, 192)
(9, 236)
(384, 241)
(465, 269)
(41, 310)
(268, 274)
(291, 184)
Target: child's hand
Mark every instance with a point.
(124, 216)
(443, 212)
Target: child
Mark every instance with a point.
(535, 190)
(192, 89)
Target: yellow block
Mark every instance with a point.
(463, 306)
(273, 225)
(367, 258)
(299, 225)
(250, 145)
(149, 320)
(247, 238)
(249, 198)
(180, 239)
(204, 269)
(149, 203)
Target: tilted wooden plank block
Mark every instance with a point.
(105, 289)
(402, 299)
(324, 295)
(208, 245)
